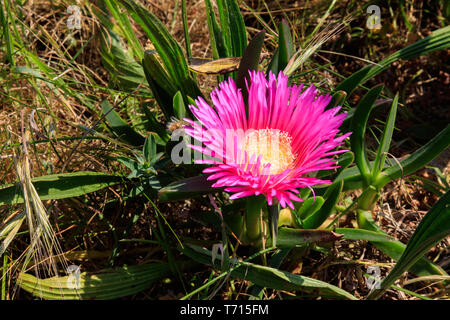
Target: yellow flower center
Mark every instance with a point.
(273, 145)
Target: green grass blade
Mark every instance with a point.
(417, 160)
(219, 48)
(166, 46)
(122, 68)
(350, 83)
(437, 40)
(233, 26)
(385, 142)
(4, 8)
(124, 24)
(187, 39)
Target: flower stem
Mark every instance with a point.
(274, 213)
(253, 215)
(366, 202)
(368, 198)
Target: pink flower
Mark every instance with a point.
(286, 135)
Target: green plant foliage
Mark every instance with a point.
(270, 277)
(186, 188)
(331, 196)
(120, 128)
(60, 186)
(104, 285)
(434, 227)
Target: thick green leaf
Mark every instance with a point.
(150, 123)
(331, 198)
(156, 72)
(285, 49)
(434, 227)
(160, 83)
(269, 277)
(179, 107)
(394, 249)
(275, 262)
(106, 284)
(358, 127)
(60, 186)
(123, 131)
(249, 61)
(288, 237)
(166, 46)
(168, 49)
(309, 207)
(149, 150)
(361, 234)
(338, 99)
(286, 45)
(343, 161)
(186, 188)
(273, 64)
(352, 177)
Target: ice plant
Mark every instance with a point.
(286, 135)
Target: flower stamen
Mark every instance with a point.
(274, 147)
